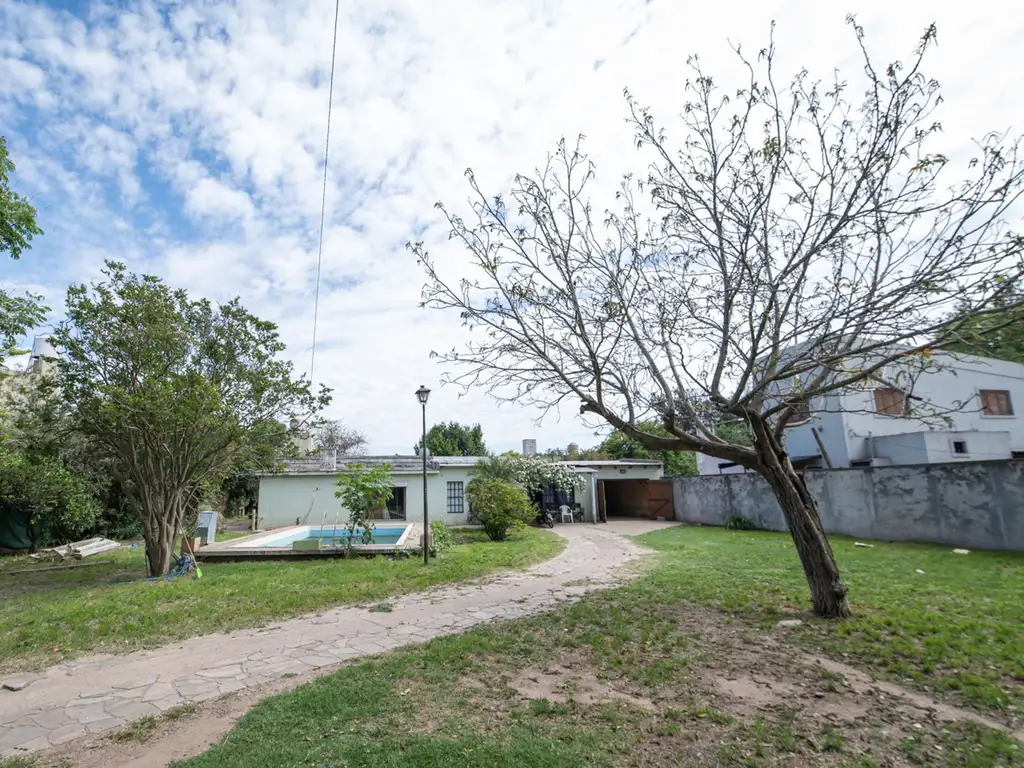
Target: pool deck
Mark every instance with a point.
(249, 547)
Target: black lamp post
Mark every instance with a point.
(422, 394)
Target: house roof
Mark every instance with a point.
(613, 463)
(401, 464)
(316, 465)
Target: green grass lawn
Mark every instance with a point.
(654, 673)
(49, 616)
(957, 627)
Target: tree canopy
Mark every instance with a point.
(335, 435)
(179, 391)
(783, 241)
(619, 445)
(454, 439)
(18, 314)
(44, 498)
(998, 334)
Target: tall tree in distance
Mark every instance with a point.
(18, 314)
(335, 435)
(619, 445)
(798, 239)
(998, 334)
(178, 391)
(454, 439)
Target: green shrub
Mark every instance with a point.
(52, 503)
(739, 523)
(363, 490)
(500, 506)
(441, 533)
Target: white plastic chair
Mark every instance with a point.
(565, 511)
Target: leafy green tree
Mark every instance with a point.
(619, 445)
(42, 495)
(998, 333)
(42, 427)
(499, 505)
(177, 391)
(18, 314)
(454, 439)
(17, 216)
(363, 491)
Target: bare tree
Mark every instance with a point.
(796, 242)
(335, 435)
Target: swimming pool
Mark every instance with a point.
(313, 541)
(391, 534)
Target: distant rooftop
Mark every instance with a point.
(323, 465)
(612, 463)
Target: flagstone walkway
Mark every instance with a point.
(102, 693)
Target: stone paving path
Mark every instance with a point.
(101, 693)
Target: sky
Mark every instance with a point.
(186, 139)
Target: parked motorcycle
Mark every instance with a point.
(545, 519)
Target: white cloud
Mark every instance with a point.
(208, 120)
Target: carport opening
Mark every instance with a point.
(635, 498)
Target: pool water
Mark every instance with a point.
(339, 536)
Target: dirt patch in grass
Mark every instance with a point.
(561, 685)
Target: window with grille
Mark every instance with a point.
(995, 402)
(890, 402)
(456, 498)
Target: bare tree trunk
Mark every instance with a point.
(161, 526)
(160, 550)
(828, 593)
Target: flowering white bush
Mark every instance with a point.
(534, 473)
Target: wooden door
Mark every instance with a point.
(660, 500)
(602, 511)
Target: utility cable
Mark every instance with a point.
(323, 197)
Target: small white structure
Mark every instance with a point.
(976, 400)
(303, 492)
(709, 465)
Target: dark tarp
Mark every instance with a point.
(14, 528)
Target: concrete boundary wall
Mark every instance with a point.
(977, 505)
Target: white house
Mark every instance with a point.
(976, 402)
(304, 491)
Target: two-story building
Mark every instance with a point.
(964, 408)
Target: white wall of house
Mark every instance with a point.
(284, 498)
(937, 447)
(637, 472)
(287, 497)
(710, 465)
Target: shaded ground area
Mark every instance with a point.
(51, 616)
